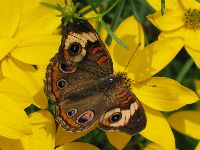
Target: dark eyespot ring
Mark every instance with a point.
(75, 48)
(115, 117)
(71, 112)
(61, 83)
(67, 67)
(85, 117)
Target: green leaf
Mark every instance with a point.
(110, 32)
(56, 7)
(162, 7)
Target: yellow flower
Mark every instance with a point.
(26, 39)
(14, 122)
(168, 95)
(27, 132)
(186, 122)
(181, 19)
(42, 136)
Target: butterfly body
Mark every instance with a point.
(82, 86)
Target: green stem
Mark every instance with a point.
(109, 9)
(118, 12)
(162, 6)
(185, 70)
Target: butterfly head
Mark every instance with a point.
(122, 79)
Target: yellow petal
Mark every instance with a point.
(191, 4)
(10, 16)
(198, 146)
(62, 136)
(164, 22)
(195, 55)
(15, 91)
(43, 126)
(14, 122)
(27, 5)
(9, 144)
(152, 58)
(25, 75)
(38, 21)
(180, 32)
(168, 94)
(37, 50)
(153, 146)
(191, 42)
(77, 146)
(197, 85)
(131, 33)
(40, 99)
(158, 130)
(6, 45)
(41, 72)
(186, 122)
(118, 139)
(155, 4)
(169, 4)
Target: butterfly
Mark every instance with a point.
(83, 88)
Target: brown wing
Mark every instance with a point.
(82, 59)
(126, 114)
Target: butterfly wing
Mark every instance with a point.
(126, 114)
(82, 58)
(72, 74)
(79, 115)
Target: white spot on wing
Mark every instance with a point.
(135, 105)
(132, 109)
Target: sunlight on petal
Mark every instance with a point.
(15, 91)
(118, 139)
(153, 58)
(62, 136)
(10, 16)
(77, 146)
(14, 122)
(157, 129)
(37, 50)
(25, 75)
(168, 94)
(44, 129)
(186, 122)
(164, 22)
(38, 21)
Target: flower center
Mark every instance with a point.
(192, 19)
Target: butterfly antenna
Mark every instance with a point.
(150, 85)
(129, 63)
(132, 56)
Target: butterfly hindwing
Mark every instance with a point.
(126, 114)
